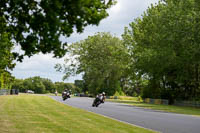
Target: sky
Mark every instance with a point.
(120, 15)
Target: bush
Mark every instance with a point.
(121, 93)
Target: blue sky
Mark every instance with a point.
(120, 15)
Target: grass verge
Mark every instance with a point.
(166, 108)
(53, 94)
(34, 113)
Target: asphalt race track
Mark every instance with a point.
(155, 120)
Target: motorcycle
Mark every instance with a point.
(65, 95)
(98, 100)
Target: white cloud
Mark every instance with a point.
(115, 9)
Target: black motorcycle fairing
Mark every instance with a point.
(65, 95)
(97, 102)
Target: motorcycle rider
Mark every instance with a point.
(102, 97)
(99, 99)
(65, 92)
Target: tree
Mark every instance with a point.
(6, 80)
(6, 60)
(18, 84)
(49, 85)
(165, 48)
(38, 25)
(41, 85)
(61, 86)
(35, 84)
(28, 84)
(80, 85)
(102, 59)
(6, 57)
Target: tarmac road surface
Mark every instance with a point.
(147, 118)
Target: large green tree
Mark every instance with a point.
(6, 57)
(165, 48)
(37, 25)
(102, 59)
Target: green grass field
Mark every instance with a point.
(167, 108)
(41, 114)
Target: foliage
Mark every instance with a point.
(6, 79)
(121, 93)
(164, 46)
(42, 85)
(38, 25)
(27, 85)
(102, 59)
(49, 85)
(80, 85)
(18, 84)
(60, 86)
(6, 57)
(38, 85)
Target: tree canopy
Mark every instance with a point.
(102, 59)
(37, 25)
(6, 57)
(165, 47)
(158, 56)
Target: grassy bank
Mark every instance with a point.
(166, 108)
(33, 113)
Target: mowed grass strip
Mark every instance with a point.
(36, 114)
(166, 108)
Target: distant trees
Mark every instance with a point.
(19, 84)
(49, 85)
(42, 85)
(60, 86)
